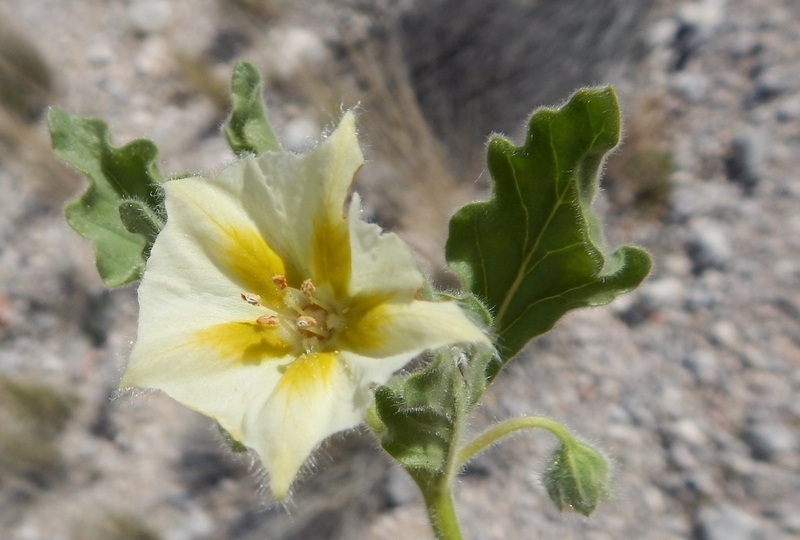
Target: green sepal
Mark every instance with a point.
(139, 218)
(577, 477)
(116, 175)
(416, 438)
(481, 364)
(247, 130)
(535, 250)
(417, 413)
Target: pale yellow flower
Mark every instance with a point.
(269, 307)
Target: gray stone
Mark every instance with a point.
(693, 87)
(789, 109)
(744, 161)
(148, 16)
(769, 439)
(708, 247)
(727, 523)
(295, 48)
(703, 366)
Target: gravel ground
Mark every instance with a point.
(689, 384)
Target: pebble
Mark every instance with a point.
(149, 16)
(708, 246)
(100, 53)
(771, 83)
(724, 333)
(689, 431)
(768, 439)
(703, 365)
(692, 87)
(662, 32)
(705, 15)
(153, 57)
(294, 48)
(789, 109)
(744, 161)
(726, 522)
(668, 292)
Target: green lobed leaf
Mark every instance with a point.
(247, 129)
(535, 250)
(116, 175)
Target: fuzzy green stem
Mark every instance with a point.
(495, 433)
(438, 498)
(437, 490)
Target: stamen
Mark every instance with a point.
(280, 281)
(289, 301)
(268, 320)
(304, 321)
(308, 288)
(252, 299)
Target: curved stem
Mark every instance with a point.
(493, 434)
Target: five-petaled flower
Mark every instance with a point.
(269, 306)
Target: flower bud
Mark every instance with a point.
(577, 477)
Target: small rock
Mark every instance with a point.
(744, 161)
(787, 517)
(769, 440)
(697, 23)
(665, 292)
(149, 16)
(661, 33)
(689, 432)
(703, 366)
(153, 58)
(770, 84)
(705, 15)
(709, 247)
(296, 47)
(692, 87)
(789, 110)
(725, 333)
(682, 457)
(726, 523)
(100, 53)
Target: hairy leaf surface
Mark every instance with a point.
(535, 250)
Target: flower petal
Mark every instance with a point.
(298, 202)
(221, 372)
(377, 329)
(211, 246)
(315, 398)
(382, 262)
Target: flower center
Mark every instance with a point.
(311, 319)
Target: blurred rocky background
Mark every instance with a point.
(690, 384)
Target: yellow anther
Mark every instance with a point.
(280, 281)
(267, 320)
(252, 299)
